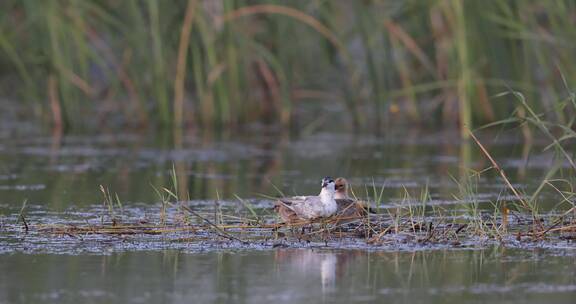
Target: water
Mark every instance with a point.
(59, 177)
(58, 172)
(292, 276)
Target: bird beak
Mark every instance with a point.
(324, 184)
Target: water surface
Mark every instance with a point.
(59, 177)
(66, 170)
(292, 276)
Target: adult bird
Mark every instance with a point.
(298, 208)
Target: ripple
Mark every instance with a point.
(33, 187)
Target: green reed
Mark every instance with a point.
(425, 62)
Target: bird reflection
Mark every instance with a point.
(308, 263)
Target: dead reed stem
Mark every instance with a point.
(500, 171)
(219, 231)
(181, 63)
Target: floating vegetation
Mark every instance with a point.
(397, 228)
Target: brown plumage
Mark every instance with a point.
(348, 208)
(341, 186)
(286, 214)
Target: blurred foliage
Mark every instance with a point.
(227, 63)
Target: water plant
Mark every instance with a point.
(225, 63)
(110, 203)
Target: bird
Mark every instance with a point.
(297, 208)
(348, 208)
(341, 186)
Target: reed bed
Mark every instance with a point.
(375, 230)
(231, 62)
(512, 222)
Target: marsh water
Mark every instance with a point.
(291, 276)
(59, 176)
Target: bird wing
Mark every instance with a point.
(287, 214)
(290, 202)
(304, 206)
(353, 208)
(345, 204)
(366, 206)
